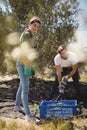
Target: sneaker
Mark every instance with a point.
(31, 118)
(18, 108)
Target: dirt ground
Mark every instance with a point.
(39, 91)
(8, 87)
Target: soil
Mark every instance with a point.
(39, 91)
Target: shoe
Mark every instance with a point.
(31, 118)
(18, 108)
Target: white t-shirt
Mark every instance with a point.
(71, 60)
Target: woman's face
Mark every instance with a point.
(34, 27)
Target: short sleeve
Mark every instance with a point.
(56, 60)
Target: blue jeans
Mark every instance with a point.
(22, 92)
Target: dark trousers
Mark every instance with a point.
(75, 78)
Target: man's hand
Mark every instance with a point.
(64, 81)
(61, 88)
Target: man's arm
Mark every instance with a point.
(74, 69)
(59, 75)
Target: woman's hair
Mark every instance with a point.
(35, 19)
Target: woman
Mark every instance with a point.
(22, 64)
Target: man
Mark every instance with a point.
(66, 64)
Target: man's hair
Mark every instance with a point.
(61, 48)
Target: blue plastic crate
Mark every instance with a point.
(60, 108)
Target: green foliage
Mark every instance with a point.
(3, 32)
(59, 22)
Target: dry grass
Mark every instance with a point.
(55, 124)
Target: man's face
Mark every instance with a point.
(63, 54)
